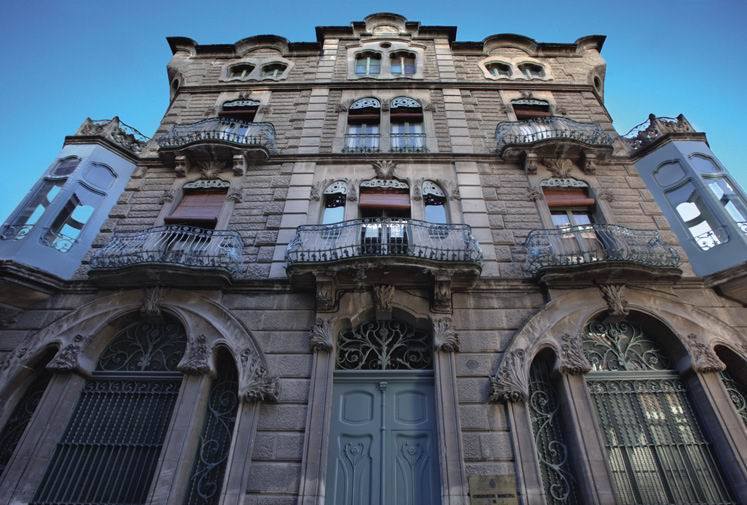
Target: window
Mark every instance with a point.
(734, 379)
(273, 70)
(402, 63)
(530, 108)
(244, 109)
(368, 63)
(434, 201)
(697, 218)
(69, 223)
(33, 209)
(406, 118)
(334, 203)
(241, 71)
(655, 450)
(497, 69)
(201, 204)
(572, 212)
(363, 126)
(532, 71)
(728, 198)
(65, 166)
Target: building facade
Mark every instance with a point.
(385, 267)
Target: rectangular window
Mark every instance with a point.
(697, 218)
(198, 209)
(69, 224)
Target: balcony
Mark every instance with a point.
(599, 253)
(650, 132)
(361, 143)
(408, 143)
(174, 255)
(551, 137)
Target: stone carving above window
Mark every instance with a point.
(510, 383)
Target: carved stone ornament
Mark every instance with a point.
(614, 295)
(239, 165)
(587, 165)
(704, 359)
(210, 169)
(417, 189)
(181, 165)
(256, 384)
(606, 195)
(572, 358)
(385, 169)
(510, 382)
(167, 196)
(316, 190)
(383, 297)
(441, 296)
(444, 338)
(66, 359)
(534, 193)
(152, 302)
(529, 163)
(196, 359)
(326, 295)
(341, 107)
(453, 189)
(558, 167)
(235, 196)
(320, 338)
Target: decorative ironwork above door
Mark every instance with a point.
(621, 345)
(155, 346)
(384, 345)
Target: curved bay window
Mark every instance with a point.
(547, 429)
(402, 63)
(111, 447)
(367, 63)
(209, 467)
(407, 133)
(364, 118)
(656, 452)
(21, 415)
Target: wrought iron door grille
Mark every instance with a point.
(384, 345)
(656, 452)
(109, 452)
(549, 441)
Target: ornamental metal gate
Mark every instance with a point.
(109, 452)
(383, 444)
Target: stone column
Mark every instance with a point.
(528, 476)
(236, 480)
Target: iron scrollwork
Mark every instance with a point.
(621, 345)
(384, 345)
(147, 345)
(736, 393)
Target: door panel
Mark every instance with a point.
(383, 446)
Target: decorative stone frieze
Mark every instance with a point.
(560, 168)
(703, 358)
(320, 337)
(196, 360)
(573, 361)
(445, 339)
(510, 383)
(256, 384)
(151, 302)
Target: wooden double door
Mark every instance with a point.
(383, 446)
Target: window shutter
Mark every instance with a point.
(198, 209)
(567, 197)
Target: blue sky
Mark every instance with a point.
(65, 60)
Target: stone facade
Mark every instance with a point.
(279, 319)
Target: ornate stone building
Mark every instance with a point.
(384, 267)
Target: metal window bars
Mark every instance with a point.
(408, 143)
(598, 243)
(383, 237)
(179, 245)
(221, 129)
(361, 143)
(529, 131)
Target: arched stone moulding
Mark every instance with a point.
(84, 333)
(560, 323)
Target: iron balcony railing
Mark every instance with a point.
(361, 143)
(529, 131)
(653, 128)
(177, 245)
(595, 244)
(383, 237)
(221, 129)
(408, 143)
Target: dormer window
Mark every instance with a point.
(273, 71)
(368, 64)
(529, 108)
(402, 63)
(241, 71)
(532, 71)
(498, 69)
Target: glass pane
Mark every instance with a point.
(695, 215)
(435, 213)
(668, 174)
(360, 66)
(704, 165)
(34, 209)
(396, 66)
(68, 225)
(374, 66)
(581, 218)
(333, 215)
(729, 200)
(561, 219)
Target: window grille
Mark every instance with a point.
(655, 450)
(20, 417)
(552, 452)
(212, 454)
(384, 345)
(110, 449)
(737, 394)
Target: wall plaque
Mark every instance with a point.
(493, 490)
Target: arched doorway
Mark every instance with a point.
(111, 447)
(383, 446)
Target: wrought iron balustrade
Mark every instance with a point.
(589, 244)
(408, 143)
(58, 240)
(653, 128)
(221, 129)
(177, 245)
(15, 231)
(407, 238)
(530, 131)
(361, 143)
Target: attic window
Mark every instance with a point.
(403, 63)
(528, 108)
(241, 71)
(532, 71)
(273, 70)
(497, 69)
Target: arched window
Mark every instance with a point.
(407, 132)
(498, 69)
(734, 378)
(364, 117)
(334, 202)
(240, 71)
(656, 452)
(110, 449)
(367, 63)
(402, 63)
(550, 443)
(273, 70)
(21, 415)
(434, 201)
(209, 467)
(532, 70)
